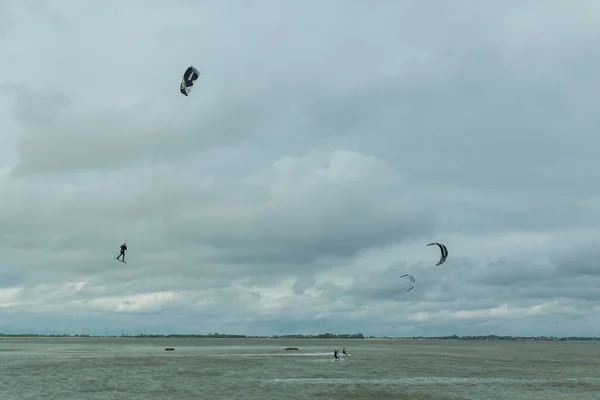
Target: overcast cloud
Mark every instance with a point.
(325, 144)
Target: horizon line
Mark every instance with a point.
(347, 336)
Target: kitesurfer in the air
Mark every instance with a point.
(123, 249)
(335, 355)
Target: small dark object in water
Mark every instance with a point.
(291, 348)
(169, 349)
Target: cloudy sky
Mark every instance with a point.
(324, 145)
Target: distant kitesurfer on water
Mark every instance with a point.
(122, 254)
(344, 351)
(335, 355)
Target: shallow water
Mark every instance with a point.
(90, 369)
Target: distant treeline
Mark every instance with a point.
(210, 335)
(322, 336)
(319, 336)
(496, 337)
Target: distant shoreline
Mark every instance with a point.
(302, 337)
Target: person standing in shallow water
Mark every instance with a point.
(335, 355)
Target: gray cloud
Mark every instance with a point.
(61, 139)
(307, 171)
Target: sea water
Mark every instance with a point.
(129, 368)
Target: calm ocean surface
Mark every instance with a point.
(212, 369)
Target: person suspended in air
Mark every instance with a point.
(122, 253)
